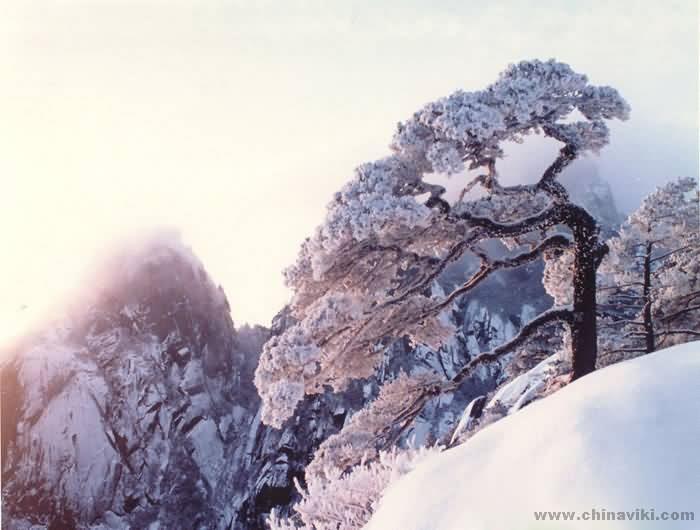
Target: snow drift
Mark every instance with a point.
(622, 439)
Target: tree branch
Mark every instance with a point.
(556, 241)
(630, 284)
(413, 409)
(679, 313)
(680, 332)
(625, 350)
(621, 322)
(547, 183)
(553, 315)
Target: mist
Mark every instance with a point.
(236, 123)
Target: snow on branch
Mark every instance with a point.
(651, 276)
(531, 96)
(557, 314)
(374, 427)
(366, 275)
(347, 501)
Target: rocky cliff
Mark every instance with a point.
(137, 410)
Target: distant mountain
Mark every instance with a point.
(588, 189)
(138, 410)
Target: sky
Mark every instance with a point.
(236, 121)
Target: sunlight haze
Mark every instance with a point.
(235, 122)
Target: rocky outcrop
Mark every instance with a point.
(588, 189)
(135, 413)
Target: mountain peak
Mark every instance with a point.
(156, 286)
(157, 260)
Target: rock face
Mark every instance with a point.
(139, 410)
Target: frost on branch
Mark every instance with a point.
(558, 272)
(347, 501)
(651, 278)
(531, 96)
(378, 203)
(373, 427)
(280, 400)
(289, 362)
(363, 279)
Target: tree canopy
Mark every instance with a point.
(364, 277)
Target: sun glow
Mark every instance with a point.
(236, 124)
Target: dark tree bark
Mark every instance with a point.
(588, 253)
(649, 339)
(584, 333)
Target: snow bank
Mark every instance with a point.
(624, 438)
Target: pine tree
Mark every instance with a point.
(363, 279)
(650, 281)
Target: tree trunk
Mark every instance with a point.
(648, 323)
(584, 336)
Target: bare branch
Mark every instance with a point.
(679, 313)
(692, 332)
(630, 284)
(622, 322)
(547, 182)
(633, 306)
(626, 350)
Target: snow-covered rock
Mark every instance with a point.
(135, 413)
(623, 439)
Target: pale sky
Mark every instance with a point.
(236, 121)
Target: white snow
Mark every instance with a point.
(621, 439)
(465, 421)
(521, 390)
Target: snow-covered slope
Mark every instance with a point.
(624, 439)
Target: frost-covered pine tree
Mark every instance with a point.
(650, 280)
(346, 501)
(363, 278)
